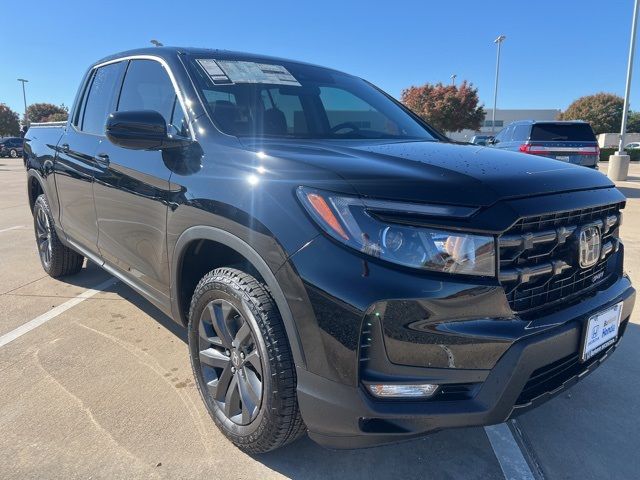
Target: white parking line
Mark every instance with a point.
(512, 461)
(54, 312)
(11, 228)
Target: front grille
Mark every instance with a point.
(539, 257)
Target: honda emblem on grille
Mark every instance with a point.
(589, 246)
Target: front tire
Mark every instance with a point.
(13, 153)
(56, 259)
(242, 361)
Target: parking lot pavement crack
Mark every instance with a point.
(24, 285)
(149, 362)
(85, 410)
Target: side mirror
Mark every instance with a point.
(141, 130)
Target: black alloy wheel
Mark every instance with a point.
(43, 237)
(242, 361)
(56, 258)
(230, 361)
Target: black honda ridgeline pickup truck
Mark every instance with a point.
(341, 267)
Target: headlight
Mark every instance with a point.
(350, 221)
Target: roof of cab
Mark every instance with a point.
(531, 122)
(164, 52)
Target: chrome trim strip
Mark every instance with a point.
(184, 102)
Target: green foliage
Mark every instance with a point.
(9, 122)
(44, 112)
(57, 117)
(606, 152)
(602, 110)
(448, 108)
(633, 122)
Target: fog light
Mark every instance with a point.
(396, 391)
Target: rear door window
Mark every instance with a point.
(100, 98)
(521, 133)
(508, 134)
(559, 132)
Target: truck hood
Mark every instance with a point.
(419, 171)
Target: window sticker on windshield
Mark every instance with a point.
(235, 71)
(213, 70)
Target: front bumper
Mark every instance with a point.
(532, 370)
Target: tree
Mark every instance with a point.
(9, 122)
(42, 112)
(633, 122)
(449, 108)
(57, 117)
(602, 110)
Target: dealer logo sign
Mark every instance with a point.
(589, 246)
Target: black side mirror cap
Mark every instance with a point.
(141, 130)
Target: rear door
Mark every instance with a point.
(568, 142)
(75, 164)
(132, 186)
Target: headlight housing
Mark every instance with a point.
(350, 221)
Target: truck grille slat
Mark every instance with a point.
(539, 256)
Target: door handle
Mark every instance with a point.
(102, 159)
(65, 148)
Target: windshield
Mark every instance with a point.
(576, 132)
(246, 98)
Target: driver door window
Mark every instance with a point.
(147, 86)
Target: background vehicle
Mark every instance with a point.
(632, 146)
(339, 265)
(11, 147)
(571, 142)
(481, 139)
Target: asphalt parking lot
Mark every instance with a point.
(104, 389)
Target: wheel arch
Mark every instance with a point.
(35, 187)
(253, 259)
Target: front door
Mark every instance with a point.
(132, 187)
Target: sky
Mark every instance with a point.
(555, 51)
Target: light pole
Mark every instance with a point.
(627, 91)
(24, 97)
(619, 162)
(453, 79)
(499, 40)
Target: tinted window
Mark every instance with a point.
(520, 133)
(247, 98)
(507, 135)
(100, 99)
(577, 132)
(147, 86)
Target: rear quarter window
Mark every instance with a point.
(558, 132)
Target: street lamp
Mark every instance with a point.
(619, 163)
(453, 79)
(24, 97)
(156, 43)
(632, 48)
(498, 41)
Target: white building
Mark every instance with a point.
(504, 117)
(611, 140)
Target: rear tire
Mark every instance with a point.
(56, 259)
(13, 153)
(242, 361)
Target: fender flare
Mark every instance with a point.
(248, 252)
(31, 174)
